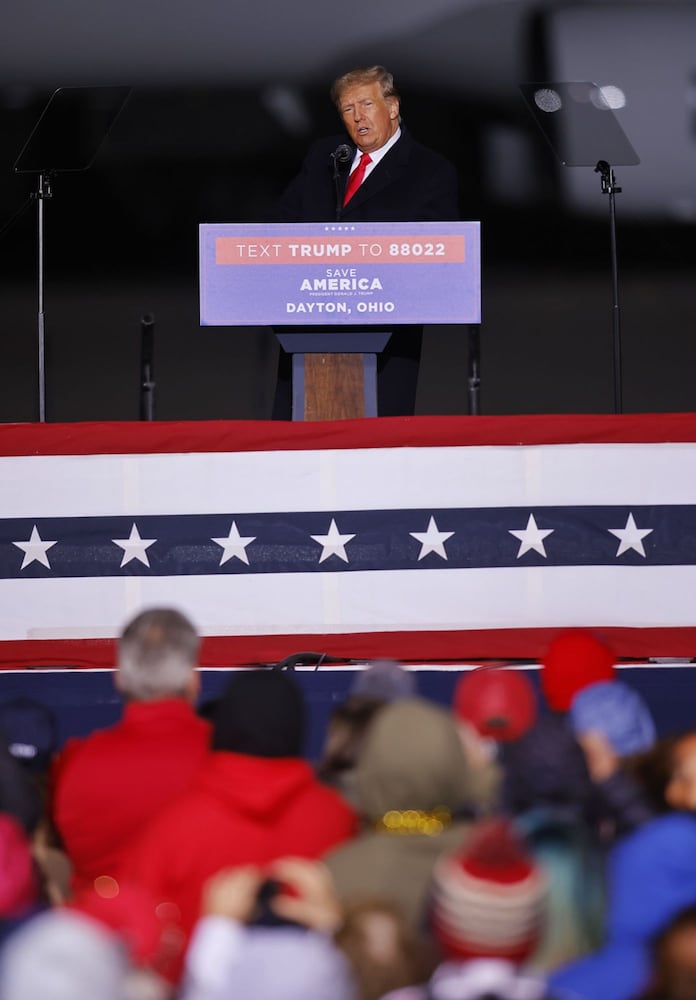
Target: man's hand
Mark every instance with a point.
(232, 893)
(311, 899)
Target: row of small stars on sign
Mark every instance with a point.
(333, 543)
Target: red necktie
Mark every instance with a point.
(356, 178)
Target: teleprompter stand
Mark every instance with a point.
(579, 124)
(66, 137)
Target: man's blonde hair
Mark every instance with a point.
(362, 77)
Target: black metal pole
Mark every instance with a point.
(474, 364)
(43, 193)
(610, 187)
(616, 310)
(147, 382)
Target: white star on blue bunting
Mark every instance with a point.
(35, 550)
(234, 546)
(432, 540)
(134, 547)
(630, 537)
(333, 543)
(531, 538)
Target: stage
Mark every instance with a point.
(422, 539)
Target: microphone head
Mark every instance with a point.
(342, 153)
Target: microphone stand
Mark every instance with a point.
(147, 383)
(474, 379)
(610, 187)
(43, 193)
(337, 185)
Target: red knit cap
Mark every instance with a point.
(573, 661)
(498, 702)
(489, 899)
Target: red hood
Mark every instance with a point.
(257, 786)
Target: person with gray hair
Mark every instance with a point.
(157, 657)
(106, 785)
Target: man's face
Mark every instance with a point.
(371, 120)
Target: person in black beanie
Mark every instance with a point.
(261, 713)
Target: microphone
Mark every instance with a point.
(342, 154)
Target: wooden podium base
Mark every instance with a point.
(334, 386)
(334, 375)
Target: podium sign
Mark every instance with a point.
(332, 274)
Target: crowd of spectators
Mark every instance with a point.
(533, 840)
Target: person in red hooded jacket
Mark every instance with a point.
(254, 800)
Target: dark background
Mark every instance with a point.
(224, 103)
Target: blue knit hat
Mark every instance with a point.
(616, 710)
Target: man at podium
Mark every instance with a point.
(374, 172)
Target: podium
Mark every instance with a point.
(334, 293)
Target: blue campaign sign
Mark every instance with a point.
(314, 274)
